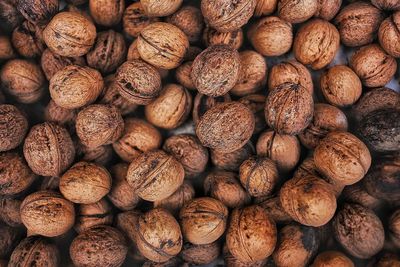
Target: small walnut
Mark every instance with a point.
(359, 231)
(135, 19)
(231, 161)
(256, 103)
(27, 40)
(160, 8)
(386, 4)
(6, 49)
(357, 193)
(265, 7)
(203, 220)
(10, 211)
(92, 215)
(203, 103)
(177, 200)
(200, 254)
(105, 12)
(232, 38)
(327, 9)
(38, 11)
(47, 213)
(332, 258)
(13, 128)
(182, 75)
(297, 11)
(273, 207)
(190, 20)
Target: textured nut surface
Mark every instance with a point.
(231, 161)
(327, 9)
(232, 38)
(13, 127)
(190, 20)
(297, 11)
(6, 48)
(203, 103)
(358, 194)
(265, 7)
(38, 11)
(200, 254)
(105, 12)
(10, 211)
(386, 4)
(182, 75)
(160, 8)
(125, 222)
(51, 63)
(59, 115)
(256, 103)
(101, 155)
(27, 40)
(177, 200)
(389, 35)
(230, 260)
(92, 215)
(135, 19)
(331, 259)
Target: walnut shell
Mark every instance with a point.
(92, 215)
(60, 115)
(316, 43)
(10, 211)
(232, 38)
(177, 200)
(99, 246)
(135, 19)
(342, 157)
(231, 261)
(231, 161)
(251, 234)
(190, 20)
(47, 213)
(386, 4)
(105, 12)
(202, 103)
(332, 259)
(182, 75)
(256, 103)
(273, 207)
(48, 149)
(38, 11)
(357, 193)
(70, 34)
(327, 9)
(27, 40)
(125, 222)
(359, 231)
(295, 11)
(213, 81)
(13, 128)
(214, 132)
(155, 175)
(200, 254)
(265, 7)
(389, 35)
(101, 155)
(203, 220)
(160, 8)
(6, 48)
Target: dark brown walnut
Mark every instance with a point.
(290, 71)
(271, 36)
(256, 103)
(203, 103)
(10, 17)
(190, 20)
(158, 235)
(99, 246)
(171, 108)
(342, 157)
(101, 155)
(73, 8)
(200, 254)
(98, 125)
(232, 38)
(182, 75)
(386, 4)
(189, 151)
(9, 238)
(283, 149)
(227, 15)
(309, 200)
(388, 259)
(155, 175)
(13, 128)
(70, 34)
(253, 75)
(259, 176)
(358, 194)
(27, 40)
(50, 183)
(92, 215)
(75, 86)
(59, 115)
(289, 108)
(10, 211)
(378, 98)
(326, 119)
(215, 128)
(85, 183)
(213, 81)
(295, 11)
(389, 34)
(373, 66)
(23, 80)
(48, 149)
(163, 45)
(47, 213)
(35, 251)
(316, 43)
(327, 9)
(332, 258)
(231, 161)
(380, 129)
(273, 207)
(297, 245)
(15, 175)
(265, 7)
(106, 13)
(225, 187)
(6, 48)
(135, 19)
(203, 220)
(138, 82)
(394, 227)
(177, 200)
(108, 52)
(192, 53)
(38, 11)
(125, 222)
(358, 23)
(160, 8)
(251, 235)
(383, 181)
(359, 231)
(138, 137)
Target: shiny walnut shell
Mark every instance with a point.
(190, 20)
(297, 11)
(200, 254)
(231, 161)
(203, 220)
(13, 128)
(389, 35)
(47, 213)
(27, 40)
(135, 19)
(160, 8)
(38, 11)
(177, 200)
(233, 39)
(106, 13)
(265, 7)
(214, 128)
(386, 4)
(342, 157)
(92, 215)
(203, 103)
(332, 258)
(251, 235)
(359, 231)
(48, 149)
(256, 103)
(327, 9)
(155, 175)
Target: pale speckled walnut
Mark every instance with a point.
(251, 235)
(105, 12)
(182, 75)
(163, 45)
(203, 103)
(135, 19)
(386, 4)
(189, 151)
(289, 108)
(138, 82)
(332, 258)
(271, 36)
(27, 40)
(38, 11)
(265, 7)
(85, 183)
(316, 43)
(92, 215)
(70, 34)
(227, 15)
(256, 103)
(358, 23)
(273, 207)
(155, 175)
(13, 128)
(160, 8)
(158, 235)
(327, 9)
(326, 119)
(231, 161)
(342, 157)
(51, 63)
(226, 127)
(47, 213)
(203, 220)
(389, 34)
(75, 86)
(23, 80)
(297, 11)
(10, 211)
(6, 48)
(48, 149)
(200, 254)
(231, 38)
(138, 137)
(357, 194)
(177, 200)
(99, 246)
(190, 20)
(359, 231)
(230, 260)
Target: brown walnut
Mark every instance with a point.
(105, 12)
(190, 20)
(389, 35)
(13, 128)
(256, 103)
(273, 207)
(230, 260)
(182, 75)
(177, 200)
(60, 115)
(265, 7)
(232, 38)
(38, 11)
(231, 161)
(160, 8)
(357, 194)
(6, 49)
(332, 258)
(327, 9)
(386, 4)
(27, 40)
(200, 254)
(135, 19)
(394, 227)
(92, 215)
(202, 103)
(10, 211)
(297, 11)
